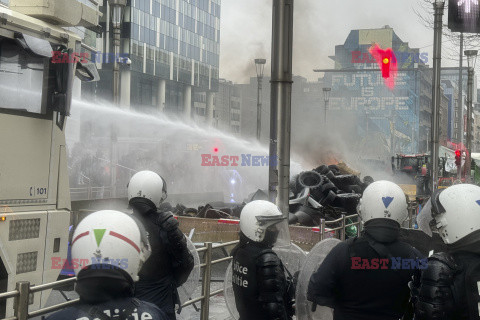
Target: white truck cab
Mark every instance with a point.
(35, 98)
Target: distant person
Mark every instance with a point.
(171, 262)
(109, 248)
(449, 287)
(259, 283)
(358, 278)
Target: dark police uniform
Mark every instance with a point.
(365, 290)
(169, 264)
(121, 309)
(448, 288)
(259, 283)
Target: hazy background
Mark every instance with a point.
(319, 25)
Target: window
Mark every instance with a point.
(21, 76)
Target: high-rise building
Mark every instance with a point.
(452, 75)
(450, 89)
(227, 107)
(402, 113)
(173, 47)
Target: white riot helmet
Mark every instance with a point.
(383, 199)
(456, 211)
(258, 217)
(109, 237)
(148, 185)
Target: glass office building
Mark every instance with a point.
(174, 48)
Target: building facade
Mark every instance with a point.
(227, 115)
(402, 113)
(459, 116)
(174, 48)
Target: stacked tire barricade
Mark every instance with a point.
(326, 194)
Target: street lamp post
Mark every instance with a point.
(438, 6)
(366, 123)
(116, 8)
(471, 60)
(326, 98)
(259, 66)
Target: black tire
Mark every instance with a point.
(357, 189)
(334, 169)
(328, 199)
(342, 181)
(323, 169)
(308, 216)
(309, 179)
(348, 202)
(330, 175)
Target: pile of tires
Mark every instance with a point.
(333, 193)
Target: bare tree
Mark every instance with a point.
(425, 13)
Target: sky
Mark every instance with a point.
(319, 25)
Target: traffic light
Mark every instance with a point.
(387, 62)
(458, 158)
(386, 67)
(464, 16)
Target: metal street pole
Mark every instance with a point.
(259, 65)
(326, 98)
(116, 69)
(471, 58)
(460, 102)
(469, 124)
(325, 119)
(116, 9)
(439, 6)
(280, 103)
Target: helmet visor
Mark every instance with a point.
(276, 229)
(425, 218)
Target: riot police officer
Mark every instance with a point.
(171, 262)
(258, 279)
(367, 277)
(108, 250)
(449, 287)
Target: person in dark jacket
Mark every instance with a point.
(108, 250)
(449, 288)
(258, 278)
(171, 262)
(367, 277)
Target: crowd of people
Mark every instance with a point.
(134, 263)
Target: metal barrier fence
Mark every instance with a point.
(412, 207)
(23, 289)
